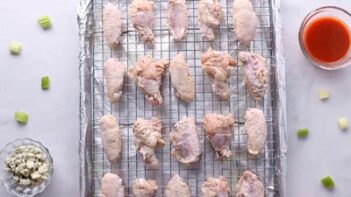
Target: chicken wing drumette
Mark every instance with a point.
(185, 141)
(249, 186)
(218, 65)
(176, 187)
(147, 75)
(218, 132)
(142, 16)
(111, 186)
(256, 73)
(210, 14)
(147, 135)
(144, 188)
(214, 187)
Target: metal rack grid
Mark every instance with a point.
(133, 104)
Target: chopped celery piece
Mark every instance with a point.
(328, 182)
(15, 48)
(21, 117)
(323, 95)
(45, 83)
(302, 133)
(44, 22)
(342, 122)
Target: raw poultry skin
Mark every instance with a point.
(218, 132)
(142, 17)
(182, 82)
(249, 186)
(144, 188)
(214, 187)
(114, 76)
(177, 18)
(244, 20)
(256, 130)
(176, 187)
(256, 73)
(185, 141)
(111, 186)
(147, 135)
(210, 14)
(111, 137)
(147, 75)
(218, 65)
(112, 25)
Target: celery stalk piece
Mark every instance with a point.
(15, 48)
(328, 182)
(44, 21)
(45, 82)
(342, 122)
(21, 117)
(323, 95)
(302, 133)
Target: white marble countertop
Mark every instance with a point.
(53, 114)
(327, 151)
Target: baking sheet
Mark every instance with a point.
(269, 166)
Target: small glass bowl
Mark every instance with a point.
(5, 178)
(332, 11)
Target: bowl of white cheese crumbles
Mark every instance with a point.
(26, 168)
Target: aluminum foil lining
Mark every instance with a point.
(270, 166)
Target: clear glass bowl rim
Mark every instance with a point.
(304, 22)
(27, 141)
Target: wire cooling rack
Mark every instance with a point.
(133, 105)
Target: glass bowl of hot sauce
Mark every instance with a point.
(325, 37)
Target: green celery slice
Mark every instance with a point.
(44, 21)
(323, 95)
(15, 48)
(302, 133)
(342, 122)
(328, 182)
(45, 82)
(21, 117)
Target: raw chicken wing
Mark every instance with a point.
(142, 17)
(256, 130)
(185, 141)
(218, 66)
(218, 132)
(177, 18)
(215, 187)
(244, 20)
(256, 73)
(176, 187)
(147, 135)
(114, 77)
(147, 75)
(182, 82)
(112, 24)
(210, 14)
(111, 186)
(111, 137)
(249, 186)
(144, 188)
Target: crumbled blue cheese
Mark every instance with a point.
(28, 165)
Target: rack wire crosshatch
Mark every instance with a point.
(133, 105)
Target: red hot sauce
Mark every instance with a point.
(327, 39)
